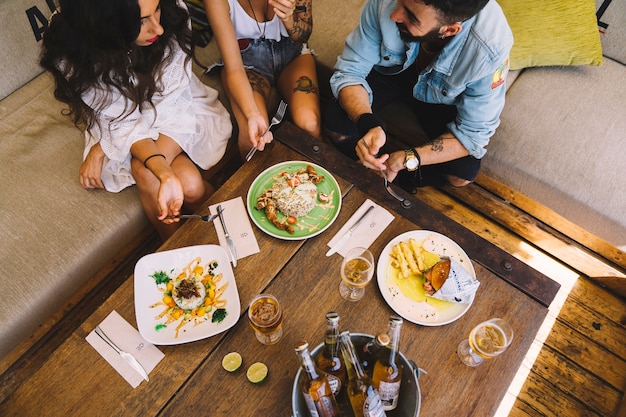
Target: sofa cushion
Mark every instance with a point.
(560, 142)
(21, 26)
(55, 234)
(553, 32)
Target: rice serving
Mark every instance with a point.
(295, 201)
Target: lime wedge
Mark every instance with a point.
(232, 361)
(257, 372)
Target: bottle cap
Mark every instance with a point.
(332, 317)
(383, 339)
(301, 346)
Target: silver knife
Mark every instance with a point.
(229, 240)
(127, 356)
(349, 232)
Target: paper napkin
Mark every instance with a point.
(459, 287)
(128, 339)
(367, 232)
(238, 225)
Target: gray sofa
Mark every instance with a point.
(558, 123)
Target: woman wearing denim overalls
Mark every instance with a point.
(263, 44)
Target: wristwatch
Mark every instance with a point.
(411, 160)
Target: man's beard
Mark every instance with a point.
(430, 37)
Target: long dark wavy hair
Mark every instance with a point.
(92, 42)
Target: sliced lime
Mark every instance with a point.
(257, 372)
(232, 361)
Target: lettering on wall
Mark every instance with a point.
(39, 22)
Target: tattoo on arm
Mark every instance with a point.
(437, 145)
(302, 22)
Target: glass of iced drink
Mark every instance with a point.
(266, 318)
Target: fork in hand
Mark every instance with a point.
(204, 217)
(278, 117)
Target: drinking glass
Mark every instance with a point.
(266, 318)
(357, 270)
(487, 340)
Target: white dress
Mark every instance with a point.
(186, 110)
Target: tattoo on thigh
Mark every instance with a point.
(437, 145)
(259, 83)
(305, 84)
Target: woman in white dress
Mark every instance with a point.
(124, 69)
(263, 43)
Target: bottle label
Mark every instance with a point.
(335, 384)
(389, 394)
(310, 404)
(373, 406)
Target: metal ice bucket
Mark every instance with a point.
(410, 395)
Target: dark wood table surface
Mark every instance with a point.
(190, 381)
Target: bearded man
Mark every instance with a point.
(448, 60)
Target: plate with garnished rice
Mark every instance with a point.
(294, 200)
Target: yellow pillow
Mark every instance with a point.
(553, 32)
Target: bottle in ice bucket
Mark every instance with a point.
(371, 350)
(387, 374)
(329, 359)
(364, 398)
(315, 387)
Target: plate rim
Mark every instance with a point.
(140, 284)
(381, 274)
(327, 175)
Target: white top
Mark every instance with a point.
(248, 28)
(186, 110)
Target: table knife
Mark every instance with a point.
(125, 355)
(229, 240)
(349, 232)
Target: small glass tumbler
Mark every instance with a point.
(266, 318)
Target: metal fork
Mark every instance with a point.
(278, 117)
(388, 188)
(204, 217)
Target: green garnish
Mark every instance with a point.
(160, 277)
(160, 327)
(219, 315)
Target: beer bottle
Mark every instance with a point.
(329, 360)
(315, 388)
(364, 398)
(371, 350)
(387, 375)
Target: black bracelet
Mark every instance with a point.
(145, 162)
(366, 121)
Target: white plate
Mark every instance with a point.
(421, 308)
(147, 293)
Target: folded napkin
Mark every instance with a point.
(238, 225)
(460, 286)
(367, 232)
(128, 339)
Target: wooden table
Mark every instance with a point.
(190, 381)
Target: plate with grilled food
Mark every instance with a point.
(294, 200)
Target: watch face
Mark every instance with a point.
(412, 163)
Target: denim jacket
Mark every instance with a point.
(469, 73)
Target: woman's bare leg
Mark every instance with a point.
(298, 85)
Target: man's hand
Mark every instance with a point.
(394, 164)
(368, 147)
